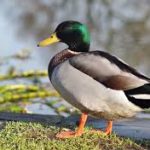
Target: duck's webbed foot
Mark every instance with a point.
(78, 132)
(68, 134)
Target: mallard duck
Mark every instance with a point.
(96, 82)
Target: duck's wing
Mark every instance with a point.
(109, 70)
(114, 74)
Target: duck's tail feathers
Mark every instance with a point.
(140, 96)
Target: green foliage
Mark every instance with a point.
(12, 107)
(12, 95)
(25, 74)
(19, 92)
(23, 136)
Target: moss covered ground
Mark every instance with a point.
(31, 136)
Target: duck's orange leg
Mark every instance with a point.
(78, 132)
(107, 131)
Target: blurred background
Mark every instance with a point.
(118, 27)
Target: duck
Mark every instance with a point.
(95, 82)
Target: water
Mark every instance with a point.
(122, 28)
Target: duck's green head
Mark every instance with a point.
(73, 33)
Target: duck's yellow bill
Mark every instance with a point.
(52, 39)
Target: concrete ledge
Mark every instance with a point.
(46, 119)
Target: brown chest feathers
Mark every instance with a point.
(59, 58)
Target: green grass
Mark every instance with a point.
(23, 136)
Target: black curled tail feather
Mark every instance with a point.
(139, 102)
(143, 100)
(145, 89)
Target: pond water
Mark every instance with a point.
(122, 28)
